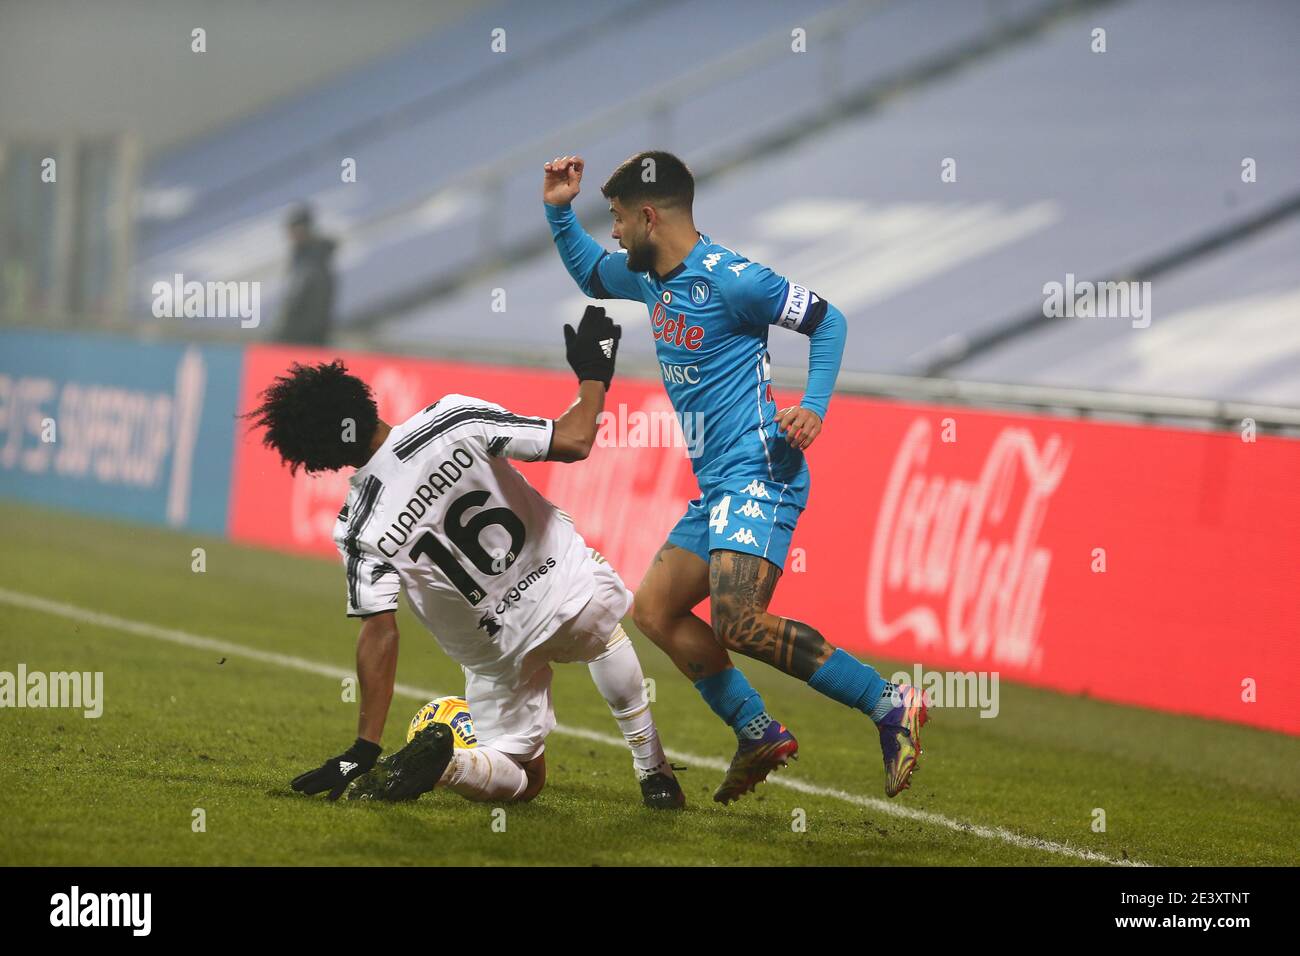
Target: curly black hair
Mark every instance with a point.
(307, 412)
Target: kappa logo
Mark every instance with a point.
(750, 509)
(607, 346)
(755, 489)
(346, 766)
(711, 260)
(744, 536)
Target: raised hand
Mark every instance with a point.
(592, 348)
(562, 180)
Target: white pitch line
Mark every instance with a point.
(186, 639)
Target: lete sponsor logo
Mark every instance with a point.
(956, 561)
(676, 331)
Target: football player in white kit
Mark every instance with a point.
(496, 572)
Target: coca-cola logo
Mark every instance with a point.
(956, 561)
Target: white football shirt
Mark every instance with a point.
(488, 565)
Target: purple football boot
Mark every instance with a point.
(755, 759)
(900, 737)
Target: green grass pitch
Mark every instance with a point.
(182, 730)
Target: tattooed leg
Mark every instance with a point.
(678, 580)
(663, 611)
(740, 589)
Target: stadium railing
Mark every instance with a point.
(1090, 403)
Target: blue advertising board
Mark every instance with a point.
(140, 431)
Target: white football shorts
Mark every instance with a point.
(515, 716)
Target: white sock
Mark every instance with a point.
(617, 674)
(481, 773)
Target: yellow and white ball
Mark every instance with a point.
(454, 712)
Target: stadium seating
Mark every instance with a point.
(1227, 327)
(416, 124)
(417, 212)
(448, 145)
(1052, 178)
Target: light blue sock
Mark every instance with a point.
(846, 679)
(730, 696)
(889, 699)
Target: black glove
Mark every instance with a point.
(591, 350)
(336, 773)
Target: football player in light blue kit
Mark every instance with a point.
(710, 311)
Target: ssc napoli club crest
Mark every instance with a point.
(700, 292)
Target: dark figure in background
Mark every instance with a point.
(308, 309)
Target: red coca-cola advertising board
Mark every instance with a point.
(1150, 566)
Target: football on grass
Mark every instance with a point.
(454, 712)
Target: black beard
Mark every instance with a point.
(641, 259)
